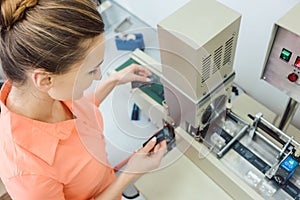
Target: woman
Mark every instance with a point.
(52, 146)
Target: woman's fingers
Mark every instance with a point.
(149, 146)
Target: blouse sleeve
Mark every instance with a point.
(34, 187)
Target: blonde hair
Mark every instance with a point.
(45, 34)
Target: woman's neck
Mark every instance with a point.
(32, 103)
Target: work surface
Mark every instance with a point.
(178, 180)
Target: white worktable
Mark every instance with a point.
(179, 180)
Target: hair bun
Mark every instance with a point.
(13, 11)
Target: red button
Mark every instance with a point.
(297, 62)
(293, 77)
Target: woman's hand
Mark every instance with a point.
(146, 159)
(143, 161)
(131, 73)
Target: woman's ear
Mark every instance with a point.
(42, 80)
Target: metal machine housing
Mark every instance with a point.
(197, 114)
(197, 46)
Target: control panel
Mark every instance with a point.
(282, 65)
(285, 56)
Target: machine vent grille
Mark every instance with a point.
(206, 63)
(228, 51)
(217, 59)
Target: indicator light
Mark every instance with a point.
(285, 55)
(297, 62)
(293, 77)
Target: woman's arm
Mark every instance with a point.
(141, 162)
(105, 87)
(131, 73)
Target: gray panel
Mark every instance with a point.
(277, 70)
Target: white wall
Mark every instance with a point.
(258, 17)
(152, 11)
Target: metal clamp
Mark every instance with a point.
(285, 147)
(258, 116)
(226, 148)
